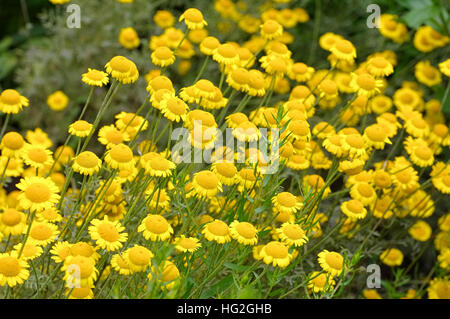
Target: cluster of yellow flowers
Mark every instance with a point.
(136, 211)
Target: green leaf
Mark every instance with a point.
(8, 62)
(418, 16)
(219, 287)
(248, 293)
(238, 268)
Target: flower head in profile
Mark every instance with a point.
(193, 18)
(11, 102)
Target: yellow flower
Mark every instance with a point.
(244, 232)
(162, 56)
(12, 144)
(392, 257)
(292, 234)
(332, 262)
(11, 102)
(57, 101)
(37, 193)
(419, 151)
(107, 234)
(427, 74)
(86, 163)
(365, 84)
(155, 228)
(13, 270)
(226, 54)
(439, 288)
(138, 258)
(276, 253)
(120, 157)
(320, 282)
(122, 69)
(379, 66)
(271, 29)
(343, 50)
(420, 231)
(206, 184)
(217, 231)
(110, 135)
(444, 67)
(173, 108)
(164, 19)
(86, 272)
(42, 233)
(354, 209)
(285, 202)
(121, 265)
(38, 137)
(95, 77)
(371, 294)
(187, 244)
(209, 45)
(36, 156)
(80, 128)
(193, 19)
(12, 222)
(444, 259)
(29, 252)
(129, 38)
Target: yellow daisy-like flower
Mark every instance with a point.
(292, 234)
(86, 163)
(427, 74)
(366, 84)
(225, 171)
(271, 29)
(343, 50)
(354, 144)
(155, 228)
(193, 19)
(120, 157)
(226, 54)
(130, 123)
(122, 69)
(420, 231)
(363, 192)
(12, 222)
(444, 259)
(107, 234)
(13, 270)
(392, 257)
(187, 244)
(129, 38)
(208, 45)
(11, 166)
(320, 282)
(29, 252)
(80, 128)
(38, 137)
(168, 275)
(162, 56)
(49, 215)
(11, 102)
(37, 193)
(332, 262)
(173, 108)
(276, 253)
(138, 258)
(246, 132)
(217, 231)
(440, 174)
(121, 265)
(354, 209)
(244, 232)
(57, 101)
(164, 19)
(42, 233)
(300, 72)
(379, 66)
(84, 249)
(11, 145)
(206, 184)
(110, 135)
(444, 67)
(84, 292)
(376, 136)
(371, 294)
(439, 288)
(285, 202)
(80, 270)
(95, 77)
(380, 104)
(36, 156)
(274, 64)
(60, 251)
(419, 151)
